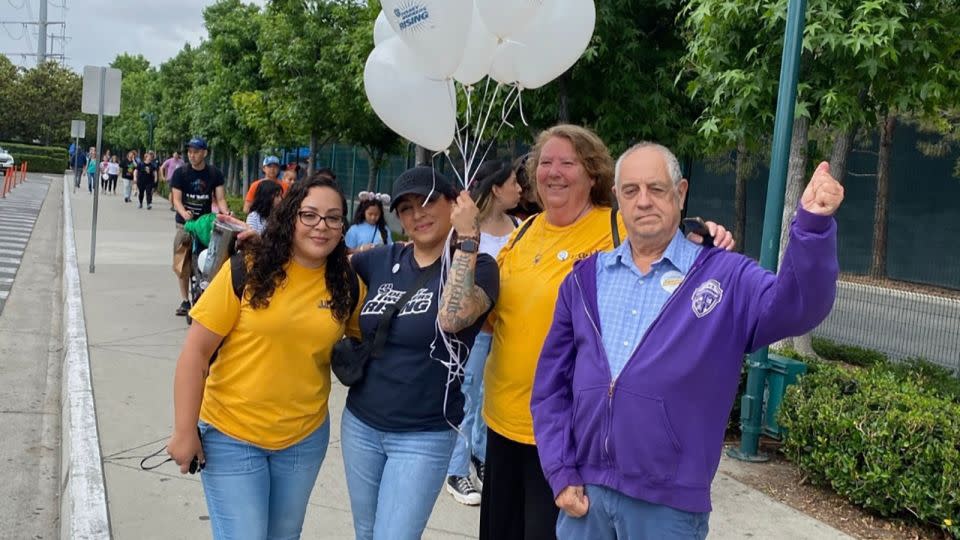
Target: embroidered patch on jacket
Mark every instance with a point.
(706, 297)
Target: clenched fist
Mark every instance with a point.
(823, 194)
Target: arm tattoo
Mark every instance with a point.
(463, 302)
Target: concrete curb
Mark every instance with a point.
(83, 494)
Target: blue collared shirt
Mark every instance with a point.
(630, 301)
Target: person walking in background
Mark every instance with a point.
(267, 198)
(127, 167)
(145, 176)
(91, 170)
(271, 171)
(261, 445)
(171, 164)
(78, 162)
(640, 367)
(194, 189)
(369, 228)
(113, 173)
(495, 190)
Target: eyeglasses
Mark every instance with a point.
(311, 219)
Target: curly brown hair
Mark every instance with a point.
(269, 258)
(593, 154)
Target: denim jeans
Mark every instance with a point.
(393, 478)
(473, 430)
(90, 181)
(254, 493)
(127, 188)
(613, 515)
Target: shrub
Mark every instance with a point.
(878, 438)
(847, 353)
(17, 150)
(41, 164)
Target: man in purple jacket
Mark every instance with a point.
(639, 371)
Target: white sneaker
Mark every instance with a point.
(461, 487)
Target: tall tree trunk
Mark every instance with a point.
(842, 141)
(563, 105)
(232, 173)
(422, 155)
(796, 170)
(740, 197)
(878, 266)
(312, 160)
(376, 156)
(245, 171)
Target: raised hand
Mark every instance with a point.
(823, 194)
(465, 216)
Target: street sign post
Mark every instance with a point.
(101, 96)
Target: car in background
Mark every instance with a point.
(6, 161)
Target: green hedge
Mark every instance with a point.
(18, 150)
(880, 437)
(42, 164)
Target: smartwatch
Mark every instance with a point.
(468, 245)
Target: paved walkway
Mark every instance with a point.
(134, 340)
(18, 213)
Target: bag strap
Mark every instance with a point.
(386, 319)
(523, 230)
(614, 229)
(238, 273)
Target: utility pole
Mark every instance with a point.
(42, 34)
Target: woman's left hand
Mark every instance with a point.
(722, 238)
(465, 216)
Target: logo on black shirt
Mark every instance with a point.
(387, 296)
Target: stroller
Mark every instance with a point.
(213, 242)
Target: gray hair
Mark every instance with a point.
(673, 166)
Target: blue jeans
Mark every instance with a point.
(613, 515)
(393, 478)
(473, 438)
(254, 493)
(90, 181)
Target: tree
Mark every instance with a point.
(43, 101)
(8, 97)
(139, 93)
(177, 77)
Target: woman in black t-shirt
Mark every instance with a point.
(399, 425)
(145, 175)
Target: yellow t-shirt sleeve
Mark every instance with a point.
(218, 307)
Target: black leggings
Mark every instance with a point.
(112, 183)
(145, 187)
(517, 502)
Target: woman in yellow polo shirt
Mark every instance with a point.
(573, 174)
(261, 406)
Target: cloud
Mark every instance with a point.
(98, 30)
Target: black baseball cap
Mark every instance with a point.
(197, 142)
(421, 180)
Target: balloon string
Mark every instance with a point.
(520, 103)
(479, 134)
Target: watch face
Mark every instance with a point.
(469, 246)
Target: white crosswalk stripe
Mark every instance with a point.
(18, 216)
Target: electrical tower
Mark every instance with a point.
(45, 41)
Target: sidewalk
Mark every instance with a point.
(134, 341)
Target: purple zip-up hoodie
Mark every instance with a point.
(655, 432)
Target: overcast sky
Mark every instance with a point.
(99, 30)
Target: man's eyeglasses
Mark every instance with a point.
(311, 219)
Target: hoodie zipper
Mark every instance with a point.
(613, 380)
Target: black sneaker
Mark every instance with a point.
(149, 207)
(183, 309)
(140, 206)
(463, 491)
(481, 469)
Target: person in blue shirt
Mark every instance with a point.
(369, 228)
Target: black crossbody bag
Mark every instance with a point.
(350, 356)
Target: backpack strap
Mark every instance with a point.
(614, 229)
(523, 230)
(238, 273)
(354, 290)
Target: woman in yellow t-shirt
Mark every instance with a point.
(261, 407)
(573, 174)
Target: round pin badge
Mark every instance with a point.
(563, 255)
(671, 280)
(396, 268)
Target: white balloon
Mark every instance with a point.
(381, 29)
(505, 18)
(478, 55)
(554, 42)
(419, 109)
(503, 69)
(436, 31)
